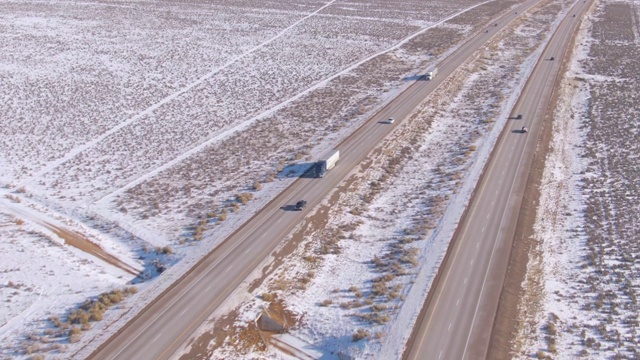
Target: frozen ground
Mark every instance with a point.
(583, 279)
(128, 129)
(357, 280)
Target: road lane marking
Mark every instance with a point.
(472, 260)
(156, 338)
(183, 311)
(449, 329)
(465, 280)
(246, 251)
(483, 229)
(458, 302)
(226, 271)
(208, 288)
(439, 356)
(477, 244)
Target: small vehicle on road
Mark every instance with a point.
(390, 120)
(524, 130)
(519, 117)
(552, 58)
(301, 204)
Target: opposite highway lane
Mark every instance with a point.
(458, 317)
(168, 322)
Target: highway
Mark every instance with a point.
(458, 316)
(168, 322)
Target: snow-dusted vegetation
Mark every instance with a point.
(129, 129)
(582, 284)
(367, 257)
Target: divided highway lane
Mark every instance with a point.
(167, 323)
(457, 320)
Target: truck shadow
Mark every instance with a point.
(289, 208)
(414, 78)
(300, 170)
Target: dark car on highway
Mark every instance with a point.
(301, 204)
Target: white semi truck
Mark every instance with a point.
(432, 73)
(327, 163)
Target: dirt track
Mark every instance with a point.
(79, 241)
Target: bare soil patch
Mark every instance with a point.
(81, 242)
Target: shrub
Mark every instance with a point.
(198, 233)
(116, 296)
(30, 349)
(83, 317)
(379, 288)
(351, 304)
(244, 198)
(167, 250)
(551, 329)
(223, 215)
(326, 302)
(268, 297)
(378, 262)
(270, 177)
(380, 318)
(96, 314)
(257, 186)
(359, 335)
(56, 321)
(74, 331)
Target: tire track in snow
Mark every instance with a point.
(244, 125)
(79, 149)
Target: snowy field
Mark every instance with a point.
(366, 258)
(582, 286)
(128, 128)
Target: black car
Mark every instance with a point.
(301, 204)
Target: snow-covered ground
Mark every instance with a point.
(364, 273)
(136, 124)
(130, 127)
(583, 277)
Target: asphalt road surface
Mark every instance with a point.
(458, 317)
(164, 325)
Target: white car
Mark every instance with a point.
(391, 120)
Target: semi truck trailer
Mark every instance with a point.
(432, 73)
(327, 163)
